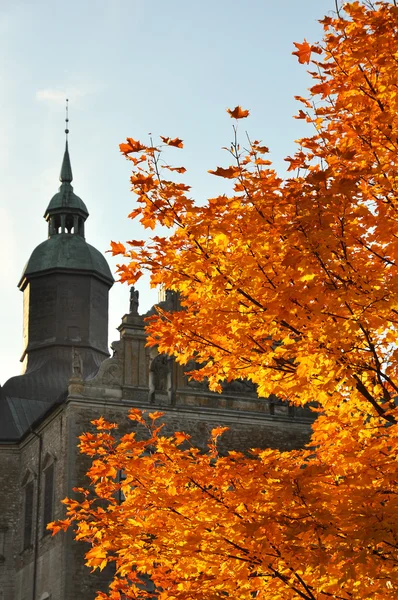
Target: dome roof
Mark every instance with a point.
(66, 199)
(66, 251)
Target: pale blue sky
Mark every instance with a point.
(130, 68)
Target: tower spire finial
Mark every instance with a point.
(67, 119)
(66, 169)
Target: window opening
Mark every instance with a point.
(48, 500)
(2, 543)
(28, 515)
(57, 224)
(69, 225)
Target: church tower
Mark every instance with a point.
(65, 284)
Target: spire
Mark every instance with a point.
(66, 169)
(66, 212)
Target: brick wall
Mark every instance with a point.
(9, 519)
(43, 560)
(60, 569)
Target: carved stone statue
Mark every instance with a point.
(161, 380)
(77, 364)
(116, 348)
(134, 295)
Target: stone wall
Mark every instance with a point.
(246, 431)
(59, 560)
(39, 566)
(9, 518)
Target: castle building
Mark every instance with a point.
(68, 379)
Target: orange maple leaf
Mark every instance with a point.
(135, 213)
(217, 431)
(176, 142)
(127, 274)
(136, 415)
(303, 52)
(316, 49)
(260, 149)
(261, 161)
(103, 425)
(295, 163)
(304, 101)
(117, 248)
(62, 524)
(177, 169)
(238, 112)
(180, 437)
(139, 243)
(131, 146)
(321, 88)
(155, 415)
(143, 181)
(229, 173)
(301, 115)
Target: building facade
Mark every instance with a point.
(69, 379)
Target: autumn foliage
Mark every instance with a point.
(291, 283)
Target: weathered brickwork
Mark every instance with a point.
(9, 518)
(256, 431)
(36, 564)
(57, 564)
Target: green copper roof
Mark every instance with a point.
(66, 248)
(66, 252)
(66, 201)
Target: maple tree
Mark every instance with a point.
(290, 283)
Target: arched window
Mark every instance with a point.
(69, 224)
(28, 491)
(48, 492)
(56, 224)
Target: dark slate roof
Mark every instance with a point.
(26, 398)
(8, 427)
(21, 414)
(42, 383)
(67, 251)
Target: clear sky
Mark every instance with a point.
(132, 67)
